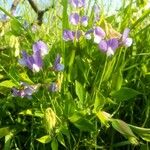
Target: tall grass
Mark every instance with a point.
(102, 102)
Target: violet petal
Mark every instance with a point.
(74, 18)
(40, 46)
(77, 3)
(84, 21)
(113, 43)
(68, 35)
(99, 34)
(125, 34)
(103, 45)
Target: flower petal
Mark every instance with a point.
(84, 21)
(99, 34)
(110, 51)
(40, 46)
(74, 18)
(103, 45)
(59, 67)
(37, 65)
(128, 42)
(53, 87)
(68, 35)
(125, 34)
(113, 43)
(88, 34)
(77, 3)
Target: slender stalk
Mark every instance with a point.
(101, 79)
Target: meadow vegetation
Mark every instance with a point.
(74, 77)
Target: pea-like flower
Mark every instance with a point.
(33, 62)
(84, 21)
(25, 90)
(126, 41)
(74, 18)
(88, 34)
(40, 46)
(99, 34)
(109, 46)
(57, 65)
(54, 87)
(69, 35)
(77, 3)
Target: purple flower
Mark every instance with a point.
(84, 21)
(25, 90)
(77, 3)
(127, 42)
(33, 62)
(68, 35)
(99, 34)
(74, 18)
(57, 65)
(41, 47)
(54, 87)
(109, 46)
(88, 34)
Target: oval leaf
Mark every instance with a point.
(124, 94)
(44, 139)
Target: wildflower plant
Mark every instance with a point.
(71, 84)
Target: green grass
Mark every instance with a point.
(103, 102)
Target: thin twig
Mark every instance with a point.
(40, 13)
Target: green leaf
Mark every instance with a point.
(61, 140)
(145, 137)
(54, 144)
(99, 102)
(117, 80)
(80, 91)
(80, 122)
(24, 77)
(109, 69)
(44, 139)
(139, 130)
(16, 27)
(8, 139)
(69, 105)
(124, 94)
(7, 84)
(26, 112)
(4, 131)
(144, 133)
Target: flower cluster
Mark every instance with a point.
(99, 36)
(76, 20)
(26, 90)
(35, 63)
